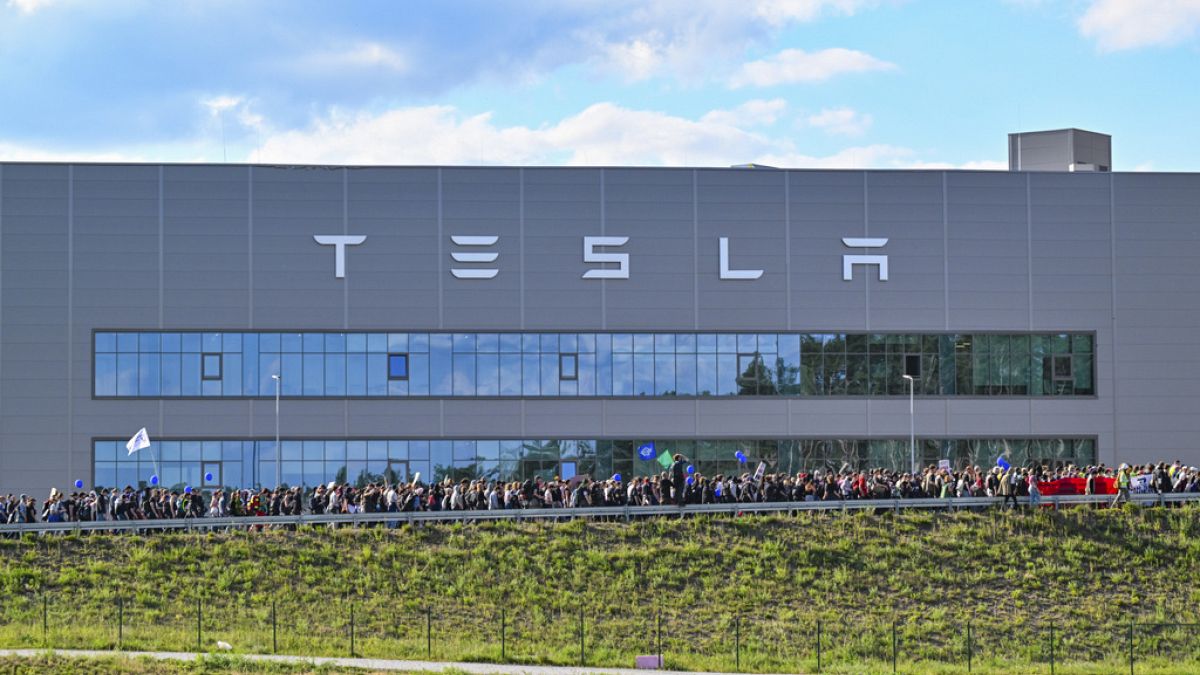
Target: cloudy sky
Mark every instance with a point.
(796, 83)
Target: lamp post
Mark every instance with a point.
(278, 451)
(912, 425)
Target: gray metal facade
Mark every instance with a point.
(87, 247)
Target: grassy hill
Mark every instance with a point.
(517, 591)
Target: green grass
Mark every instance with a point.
(1009, 576)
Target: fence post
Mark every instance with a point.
(818, 645)
(503, 622)
(658, 638)
(352, 630)
(45, 621)
(893, 645)
(737, 644)
(1051, 649)
(969, 650)
(1131, 647)
(199, 622)
(274, 633)
(120, 621)
(428, 632)
(581, 656)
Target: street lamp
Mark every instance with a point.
(912, 425)
(278, 451)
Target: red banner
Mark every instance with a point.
(1077, 486)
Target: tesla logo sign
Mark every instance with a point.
(477, 252)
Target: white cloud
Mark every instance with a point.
(603, 134)
(353, 57)
(12, 152)
(973, 165)
(30, 6)
(841, 121)
(796, 65)
(241, 109)
(755, 112)
(1128, 24)
(779, 12)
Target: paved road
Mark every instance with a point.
(366, 664)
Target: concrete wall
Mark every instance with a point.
(84, 247)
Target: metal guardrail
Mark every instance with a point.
(608, 512)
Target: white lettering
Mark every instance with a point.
(591, 255)
(474, 256)
(849, 261)
(339, 243)
(727, 273)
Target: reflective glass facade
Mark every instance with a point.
(251, 463)
(398, 365)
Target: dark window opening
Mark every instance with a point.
(210, 366)
(912, 366)
(568, 366)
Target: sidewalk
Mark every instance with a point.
(365, 664)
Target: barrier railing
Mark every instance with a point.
(605, 512)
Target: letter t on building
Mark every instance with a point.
(339, 243)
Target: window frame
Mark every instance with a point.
(562, 372)
(407, 366)
(204, 376)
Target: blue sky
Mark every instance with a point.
(797, 83)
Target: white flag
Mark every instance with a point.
(140, 440)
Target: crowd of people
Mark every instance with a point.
(679, 484)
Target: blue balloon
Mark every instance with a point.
(690, 480)
(718, 490)
(208, 477)
(691, 469)
(154, 480)
(78, 484)
(646, 451)
(1003, 463)
(187, 490)
(740, 456)
(617, 477)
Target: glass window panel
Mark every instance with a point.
(530, 343)
(231, 342)
(487, 342)
(568, 365)
(231, 383)
(549, 343)
(604, 365)
(127, 374)
(510, 374)
(212, 366)
(356, 342)
(487, 382)
(292, 379)
(419, 342)
(550, 378)
(268, 342)
(211, 342)
(835, 374)
(664, 374)
(106, 375)
(291, 342)
(768, 342)
(314, 343)
(622, 343)
(727, 374)
(685, 343)
(706, 374)
(747, 343)
(643, 343)
(377, 342)
(335, 374)
(587, 343)
(464, 342)
(314, 375)
(706, 342)
(441, 366)
(250, 367)
(1060, 343)
(106, 451)
(356, 450)
(190, 451)
(857, 369)
(531, 375)
(149, 342)
(397, 366)
(190, 342)
(335, 342)
(1082, 367)
(210, 451)
(106, 342)
(568, 342)
(190, 377)
(231, 451)
(622, 374)
(1081, 344)
(168, 451)
(464, 374)
(418, 375)
(643, 374)
(400, 342)
(127, 342)
(210, 388)
(268, 365)
(664, 343)
(356, 374)
(510, 342)
(587, 374)
(377, 375)
(726, 344)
